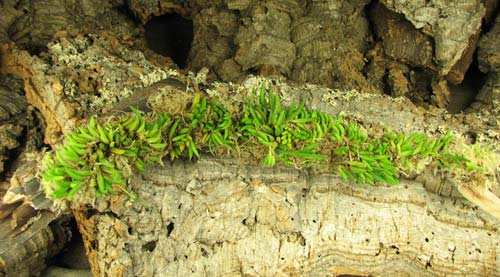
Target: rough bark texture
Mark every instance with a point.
(13, 117)
(32, 24)
(425, 44)
(452, 24)
(218, 216)
(489, 63)
(324, 42)
(66, 96)
(212, 218)
(30, 233)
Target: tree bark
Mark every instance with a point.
(31, 231)
(226, 216)
(220, 217)
(214, 217)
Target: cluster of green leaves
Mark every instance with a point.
(207, 124)
(381, 160)
(98, 155)
(295, 135)
(360, 159)
(289, 134)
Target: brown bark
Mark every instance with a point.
(322, 42)
(30, 232)
(222, 216)
(13, 117)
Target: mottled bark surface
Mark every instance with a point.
(417, 49)
(225, 216)
(30, 232)
(489, 63)
(13, 117)
(215, 218)
(332, 43)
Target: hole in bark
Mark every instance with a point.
(302, 240)
(73, 250)
(314, 221)
(170, 228)
(90, 213)
(130, 230)
(170, 35)
(428, 264)
(204, 252)
(380, 247)
(464, 94)
(471, 137)
(385, 81)
(426, 239)
(93, 244)
(244, 221)
(149, 246)
(397, 249)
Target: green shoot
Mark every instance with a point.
(92, 156)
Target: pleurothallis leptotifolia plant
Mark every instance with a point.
(102, 155)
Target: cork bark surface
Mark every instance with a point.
(226, 216)
(214, 217)
(31, 230)
(229, 216)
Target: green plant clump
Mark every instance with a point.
(100, 155)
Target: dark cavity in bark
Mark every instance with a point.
(170, 35)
